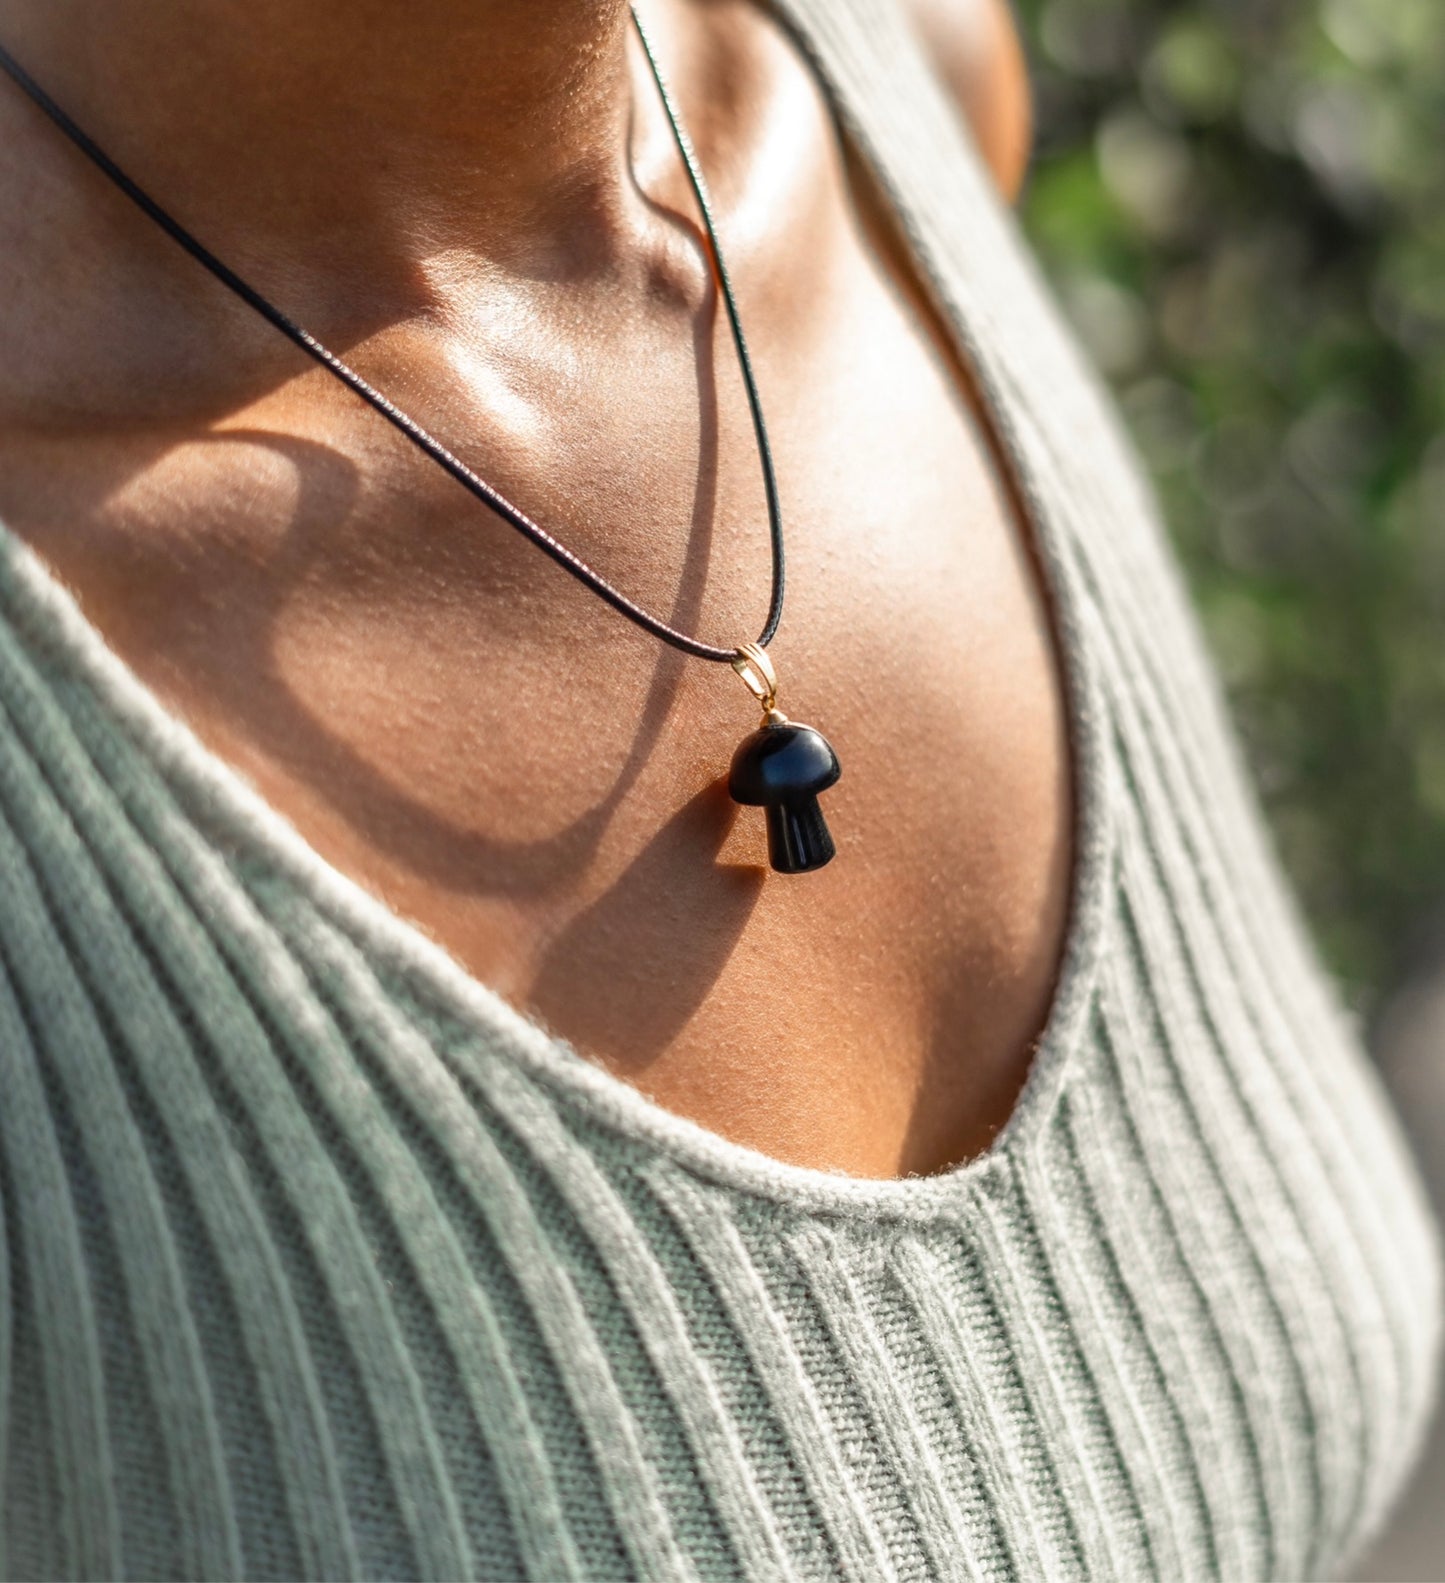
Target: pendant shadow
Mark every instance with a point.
(670, 905)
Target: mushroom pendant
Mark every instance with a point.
(781, 767)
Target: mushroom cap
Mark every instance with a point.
(779, 763)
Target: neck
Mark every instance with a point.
(385, 128)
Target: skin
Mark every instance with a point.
(477, 203)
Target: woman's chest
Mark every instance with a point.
(451, 720)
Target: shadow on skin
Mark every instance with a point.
(254, 694)
(639, 922)
(247, 687)
(443, 851)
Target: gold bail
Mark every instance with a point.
(752, 663)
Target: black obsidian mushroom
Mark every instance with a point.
(781, 768)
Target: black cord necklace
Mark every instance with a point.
(782, 765)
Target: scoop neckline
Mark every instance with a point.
(218, 797)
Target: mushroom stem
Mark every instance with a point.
(798, 836)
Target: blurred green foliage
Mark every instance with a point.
(1242, 203)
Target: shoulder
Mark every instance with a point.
(975, 47)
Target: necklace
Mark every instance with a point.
(782, 765)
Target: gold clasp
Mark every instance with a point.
(760, 679)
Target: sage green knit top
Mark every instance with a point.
(319, 1260)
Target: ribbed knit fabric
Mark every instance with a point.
(319, 1260)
